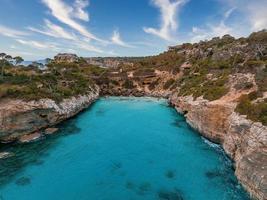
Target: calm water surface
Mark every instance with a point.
(120, 149)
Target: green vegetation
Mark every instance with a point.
(253, 111)
(261, 79)
(128, 84)
(58, 81)
(168, 61)
(144, 72)
(205, 78)
(153, 85)
(168, 84)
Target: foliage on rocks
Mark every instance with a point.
(59, 81)
(256, 111)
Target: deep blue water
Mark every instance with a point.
(120, 149)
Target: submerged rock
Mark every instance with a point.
(143, 188)
(4, 155)
(130, 185)
(213, 174)
(170, 195)
(23, 181)
(170, 174)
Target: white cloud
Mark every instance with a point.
(54, 30)
(257, 15)
(253, 12)
(79, 12)
(116, 39)
(210, 32)
(38, 45)
(66, 14)
(73, 47)
(228, 13)
(88, 47)
(169, 10)
(214, 30)
(21, 53)
(9, 32)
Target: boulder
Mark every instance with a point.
(4, 155)
(30, 137)
(50, 131)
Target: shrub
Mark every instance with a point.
(168, 84)
(128, 84)
(153, 85)
(253, 111)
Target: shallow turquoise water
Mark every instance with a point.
(120, 149)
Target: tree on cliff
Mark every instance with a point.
(5, 60)
(18, 60)
(2, 63)
(2, 56)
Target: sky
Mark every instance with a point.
(38, 29)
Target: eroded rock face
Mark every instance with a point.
(252, 172)
(18, 118)
(243, 140)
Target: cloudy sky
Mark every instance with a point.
(36, 29)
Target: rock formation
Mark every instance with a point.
(18, 117)
(66, 57)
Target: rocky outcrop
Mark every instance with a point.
(109, 62)
(19, 118)
(243, 140)
(50, 131)
(30, 137)
(4, 155)
(66, 57)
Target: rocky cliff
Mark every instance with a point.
(243, 140)
(19, 117)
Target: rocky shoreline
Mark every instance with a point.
(22, 121)
(243, 140)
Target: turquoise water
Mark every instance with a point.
(120, 149)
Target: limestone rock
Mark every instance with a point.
(4, 155)
(18, 117)
(66, 57)
(50, 131)
(30, 137)
(243, 140)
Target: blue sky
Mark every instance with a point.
(36, 29)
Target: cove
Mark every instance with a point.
(121, 149)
